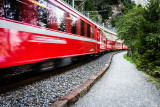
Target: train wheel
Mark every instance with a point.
(46, 65)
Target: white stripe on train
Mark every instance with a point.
(31, 29)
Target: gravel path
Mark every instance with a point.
(121, 86)
(46, 92)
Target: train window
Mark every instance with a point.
(61, 20)
(74, 24)
(92, 31)
(104, 41)
(28, 11)
(1, 9)
(52, 17)
(68, 22)
(42, 12)
(88, 30)
(101, 37)
(10, 9)
(82, 28)
(56, 18)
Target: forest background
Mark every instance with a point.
(137, 25)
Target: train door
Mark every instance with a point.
(98, 40)
(122, 46)
(115, 45)
(112, 44)
(102, 42)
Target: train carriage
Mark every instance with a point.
(33, 31)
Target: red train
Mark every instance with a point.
(34, 31)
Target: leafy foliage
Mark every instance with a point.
(105, 5)
(108, 11)
(128, 4)
(89, 6)
(114, 20)
(140, 30)
(128, 27)
(99, 5)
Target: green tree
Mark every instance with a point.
(140, 30)
(128, 28)
(128, 4)
(149, 40)
(89, 5)
(103, 6)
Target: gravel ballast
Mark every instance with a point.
(48, 91)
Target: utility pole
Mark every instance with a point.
(73, 3)
(88, 14)
(103, 26)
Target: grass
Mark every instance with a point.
(153, 80)
(128, 58)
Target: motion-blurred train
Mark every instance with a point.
(46, 32)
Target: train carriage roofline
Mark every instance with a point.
(85, 17)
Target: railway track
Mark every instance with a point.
(16, 81)
(43, 89)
